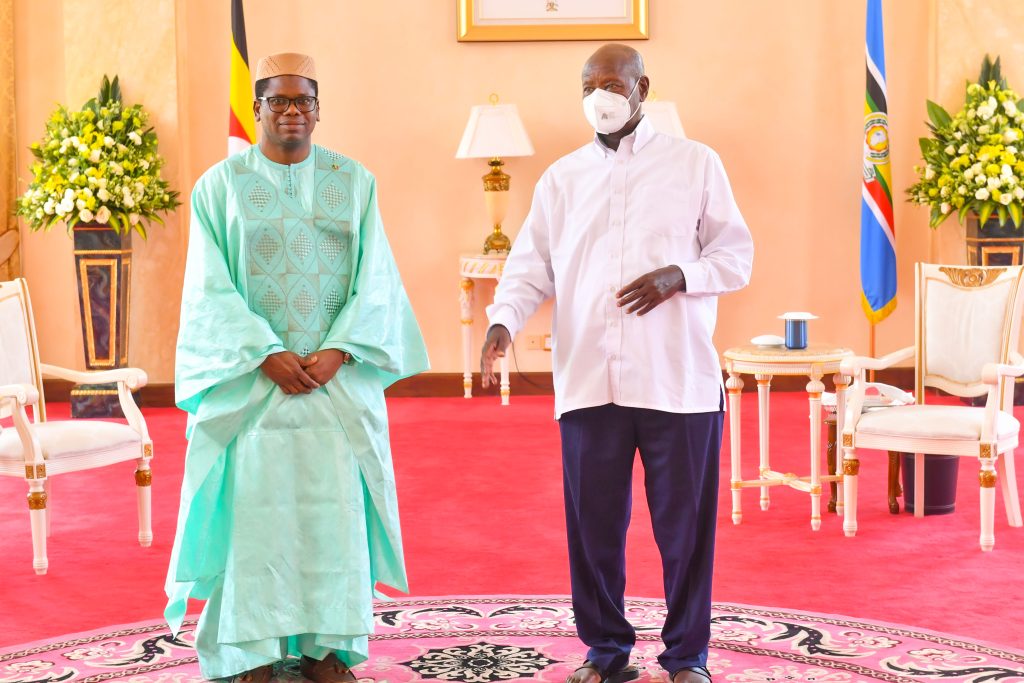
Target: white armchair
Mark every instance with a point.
(37, 449)
(966, 343)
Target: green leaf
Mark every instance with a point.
(139, 228)
(114, 222)
(1016, 213)
(927, 145)
(985, 212)
(1002, 213)
(115, 90)
(964, 210)
(939, 116)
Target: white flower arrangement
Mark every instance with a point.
(97, 165)
(972, 161)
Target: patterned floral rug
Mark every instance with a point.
(482, 639)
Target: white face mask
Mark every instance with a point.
(606, 111)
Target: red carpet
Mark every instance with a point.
(480, 493)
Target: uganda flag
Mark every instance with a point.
(241, 123)
(877, 231)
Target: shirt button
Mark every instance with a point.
(613, 357)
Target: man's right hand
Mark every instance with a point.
(285, 369)
(497, 341)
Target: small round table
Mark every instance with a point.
(763, 363)
(478, 267)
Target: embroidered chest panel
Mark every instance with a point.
(298, 263)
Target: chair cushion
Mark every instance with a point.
(71, 437)
(934, 422)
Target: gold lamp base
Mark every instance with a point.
(497, 241)
(496, 184)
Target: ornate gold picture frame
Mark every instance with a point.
(500, 20)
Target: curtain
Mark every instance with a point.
(10, 263)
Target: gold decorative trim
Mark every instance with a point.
(985, 451)
(972, 277)
(735, 392)
(466, 284)
(468, 29)
(851, 467)
(35, 471)
(127, 278)
(147, 450)
(847, 440)
(37, 500)
(988, 252)
(816, 491)
(84, 265)
(143, 477)
(94, 392)
(466, 321)
(987, 479)
(481, 266)
(94, 252)
(736, 485)
(814, 395)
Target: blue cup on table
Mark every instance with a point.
(796, 329)
(796, 334)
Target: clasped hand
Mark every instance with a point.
(652, 289)
(297, 374)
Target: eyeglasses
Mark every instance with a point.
(279, 105)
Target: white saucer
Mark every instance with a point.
(768, 340)
(798, 315)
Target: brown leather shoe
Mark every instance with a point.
(261, 674)
(330, 669)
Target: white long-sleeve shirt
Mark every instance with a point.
(602, 218)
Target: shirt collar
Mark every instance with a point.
(642, 134)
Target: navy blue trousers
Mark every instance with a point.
(680, 454)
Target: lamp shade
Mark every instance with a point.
(494, 130)
(664, 117)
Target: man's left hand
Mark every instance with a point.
(647, 291)
(323, 365)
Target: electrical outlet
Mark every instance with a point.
(538, 342)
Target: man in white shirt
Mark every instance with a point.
(635, 234)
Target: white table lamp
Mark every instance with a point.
(494, 131)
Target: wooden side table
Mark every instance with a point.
(478, 267)
(893, 488)
(765, 362)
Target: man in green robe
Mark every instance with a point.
(293, 321)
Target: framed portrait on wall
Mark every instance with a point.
(498, 20)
